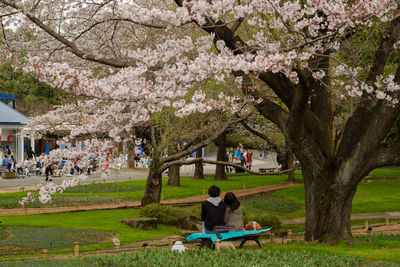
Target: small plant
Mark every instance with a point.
(164, 214)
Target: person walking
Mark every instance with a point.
(48, 170)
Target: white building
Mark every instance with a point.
(11, 123)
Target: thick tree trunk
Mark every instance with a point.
(328, 208)
(198, 166)
(290, 165)
(174, 175)
(154, 184)
(221, 156)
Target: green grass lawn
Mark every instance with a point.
(133, 190)
(390, 172)
(376, 196)
(104, 220)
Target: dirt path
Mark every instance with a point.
(136, 204)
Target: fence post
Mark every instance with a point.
(44, 253)
(76, 249)
(204, 191)
(366, 225)
(289, 235)
(244, 187)
(170, 242)
(387, 221)
(218, 246)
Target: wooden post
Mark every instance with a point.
(45, 253)
(153, 246)
(289, 235)
(117, 201)
(218, 246)
(387, 220)
(75, 204)
(204, 191)
(76, 249)
(104, 181)
(22, 189)
(162, 196)
(244, 187)
(170, 242)
(130, 178)
(366, 225)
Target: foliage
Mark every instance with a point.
(164, 214)
(105, 188)
(61, 201)
(375, 237)
(205, 257)
(3, 233)
(32, 95)
(102, 220)
(276, 206)
(53, 238)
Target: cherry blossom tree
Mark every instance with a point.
(290, 58)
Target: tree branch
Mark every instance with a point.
(190, 150)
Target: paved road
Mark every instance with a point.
(30, 183)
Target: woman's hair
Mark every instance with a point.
(231, 201)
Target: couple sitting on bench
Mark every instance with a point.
(216, 213)
(222, 220)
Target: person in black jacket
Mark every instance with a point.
(213, 209)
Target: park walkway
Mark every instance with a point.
(136, 204)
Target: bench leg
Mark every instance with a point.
(258, 243)
(241, 244)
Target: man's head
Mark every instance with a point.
(214, 191)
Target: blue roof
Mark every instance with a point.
(9, 116)
(7, 96)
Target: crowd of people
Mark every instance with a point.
(239, 156)
(8, 160)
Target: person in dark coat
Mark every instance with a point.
(213, 209)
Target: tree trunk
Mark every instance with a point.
(328, 208)
(154, 184)
(198, 166)
(131, 160)
(290, 165)
(174, 175)
(221, 156)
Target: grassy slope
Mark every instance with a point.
(105, 220)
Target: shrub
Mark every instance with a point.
(164, 214)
